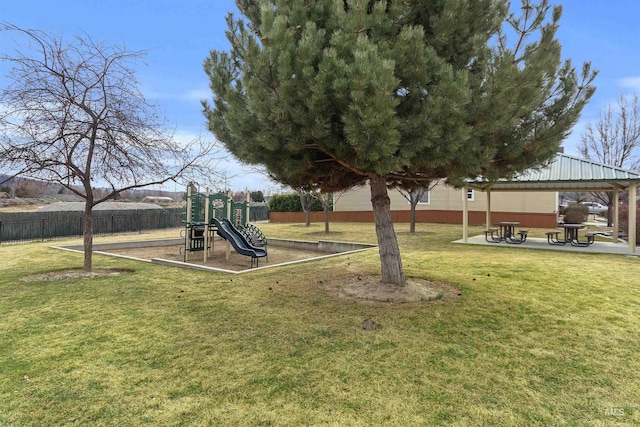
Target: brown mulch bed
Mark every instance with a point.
(371, 291)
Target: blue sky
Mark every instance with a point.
(180, 33)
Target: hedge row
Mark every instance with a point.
(290, 203)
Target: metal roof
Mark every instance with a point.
(564, 173)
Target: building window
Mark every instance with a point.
(425, 199)
(471, 194)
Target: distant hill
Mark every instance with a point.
(79, 206)
(31, 188)
(3, 178)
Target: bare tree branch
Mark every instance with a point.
(73, 114)
(614, 139)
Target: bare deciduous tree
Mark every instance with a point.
(328, 199)
(73, 114)
(575, 196)
(614, 139)
(306, 200)
(413, 193)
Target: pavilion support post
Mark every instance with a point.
(188, 231)
(247, 209)
(488, 219)
(633, 202)
(465, 214)
(615, 219)
(206, 225)
(229, 217)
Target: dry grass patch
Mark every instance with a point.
(76, 273)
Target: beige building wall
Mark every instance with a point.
(446, 198)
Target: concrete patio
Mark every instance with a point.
(597, 247)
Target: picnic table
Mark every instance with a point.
(506, 232)
(571, 236)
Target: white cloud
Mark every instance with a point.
(196, 94)
(227, 170)
(571, 144)
(630, 82)
(184, 137)
(192, 95)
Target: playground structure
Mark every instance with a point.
(207, 214)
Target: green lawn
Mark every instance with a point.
(536, 338)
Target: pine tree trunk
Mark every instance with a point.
(88, 237)
(390, 261)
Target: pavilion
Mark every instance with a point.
(566, 173)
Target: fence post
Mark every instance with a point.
(0, 232)
(42, 230)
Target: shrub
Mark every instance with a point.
(257, 196)
(285, 203)
(290, 203)
(576, 214)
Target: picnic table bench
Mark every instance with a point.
(553, 237)
(523, 234)
(592, 234)
(493, 234)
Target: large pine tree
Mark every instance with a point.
(343, 91)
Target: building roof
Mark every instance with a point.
(564, 173)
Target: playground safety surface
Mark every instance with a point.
(217, 257)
